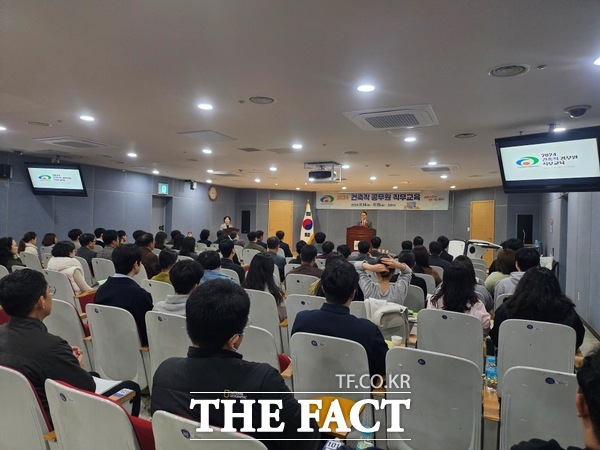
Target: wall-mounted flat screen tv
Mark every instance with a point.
(567, 161)
(56, 179)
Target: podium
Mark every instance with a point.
(358, 233)
(231, 230)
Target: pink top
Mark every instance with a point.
(477, 310)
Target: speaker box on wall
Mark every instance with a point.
(245, 221)
(5, 171)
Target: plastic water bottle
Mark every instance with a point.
(491, 373)
(365, 441)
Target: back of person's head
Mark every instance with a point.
(260, 275)
(220, 234)
(159, 239)
(457, 290)
(137, 233)
(27, 238)
(527, 258)
(226, 247)
(204, 234)
(86, 238)
(308, 253)
(145, 240)
(327, 247)
(339, 281)
(49, 239)
(280, 234)
(251, 236)
(376, 242)
(124, 258)
(188, 246)
(344, 250)
(538, 296)
(260, 234)
(98, 232)
(363, 247)
(407, 246)
(334, 256)
(512, 244)
(166, 258)
(273, 243)
(588, 378)
(210, 260)
(63, 249)
(174, 233)
(407, 258)
(234, 236)
(111, 236)
(421, 256)
(122, 234)
(299, 246)
(178, 241)
(505, 261)
(20, 291)
(320, 237)
(435, 248)
(215, 312)
(418, 240)
(74, 234)
(444, 241)
(185, 275)
(468, 264)
(388, 273)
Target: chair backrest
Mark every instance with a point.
(231, 273)
(98, 248)
(478, 263)
(171, 431)
(116, 344)
(87, 273)
(214, 246)
(298, 284)
(45, 258)
(480, 273)
(300, 302)
(46, 249)
(289, 267)
(3, 272)
(288, 259)
(64, 290)
(263, 314)
(167, 337)
(200, 247)
(451, 333)
(239, 249)
(320, 263)
(529, 343)
(248, 254)
(184, 258)
(448, 412)
(87, 420)
(66, 323)
(439, 270)
(357, 309)
(276, 276)
(259, 345)
(30, 260)
(158, 289)
(501, 299)
(24, 422)
(281, 253)
(539, 403)
(20, 268)
(429, 281)
(103, 268)
(141, 275)
(415, 298)
(317, 358)
(156, 251)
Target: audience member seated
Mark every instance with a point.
(137, 233)
(74, 236)
(217, 314)
(297, 259)
(111, 241)
(417, 240)
(8, 253)
(319, 239)
(86, 251)
(272, 249)
(120, 290)
(340, 281)
(27, 244)
(316, 288)
(444, 254)
(408, 258)
(150, 261)
(174, 234)
(160, 240)
(221, 237)
(211, 262)
(435, 258)
(363, 253)
(184, 276)
(488, 300)
(122, 236)
(382, 288)
(252, 244)
(505, 264)
(260, 278)
(344, 250)
(227, 249)
(538, 297)
(178, 242)
(99, 233)
(525, 259)
(26, 345)
(510, 244)
(260, 235)
(188, 247)
(235, 238)
(422, 263)
(63, 260)
(49, 240)
(285, 247)
(457, 294)
(375, 244)
(327, 247)
(166, 259)
(308, 255)
(204, 234)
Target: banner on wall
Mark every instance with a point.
(417, 200)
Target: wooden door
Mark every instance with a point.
(482, 224)
(281, 217)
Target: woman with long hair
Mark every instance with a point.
(488, 300)
(160, 239)
(457, 293)
(538, 297)
(505, 264)
(27, 244)
(260, 278)
(188, 247)
(63, 260)
(8, 253)
(422, 263)
(49, 240)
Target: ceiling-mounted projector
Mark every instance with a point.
(324, 172)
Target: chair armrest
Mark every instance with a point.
(378, 392)
(283, 323)
(491, 406)
(123, 396)
(51, 436)
(288, 372)
(83, 316)
(87, 339)
(145, 348)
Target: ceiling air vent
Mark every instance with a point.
(397, 118)
(438, 169)
(72, 142)
(249, 149)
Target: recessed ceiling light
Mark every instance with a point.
(210, 170)
(257, 180)
(452, 187)
(209, 181)
(132, 154)
(394, 187)
(410, 139)
(2, 128)
(155, 172)
(597, 62)
(432, 163)
(297, 188)
(311, 179)
(559, 129)
(365, 88)
(372, 178)
(465, 135)
(296, 146)
(444, 176)
(205, 106)
(346, 166)
(87, 118)
(208, 151)
(273, 169)
(344, 188)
